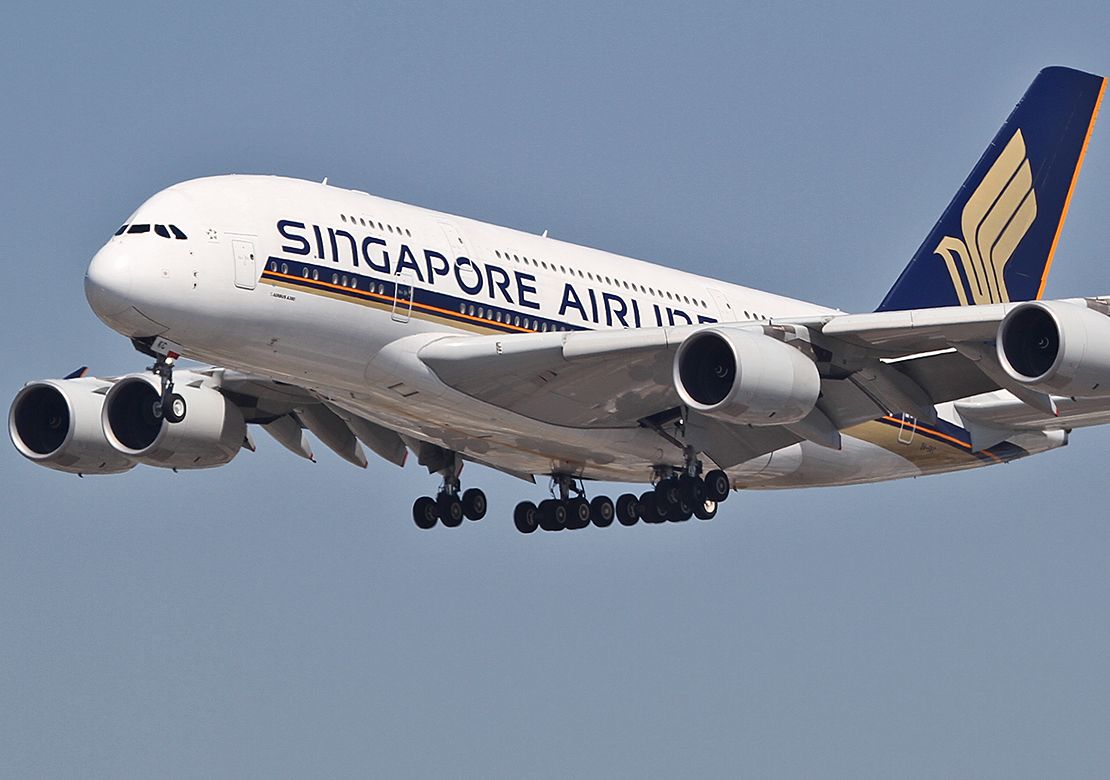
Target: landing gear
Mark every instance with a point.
(170, 406)
(448, 507)
(569, 509)
(679, 493)
(682, 494)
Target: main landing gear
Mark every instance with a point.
(571, 510)
(675, 497)
(448, 506)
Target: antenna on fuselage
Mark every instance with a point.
(325, 181)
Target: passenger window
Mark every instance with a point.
(139, 229)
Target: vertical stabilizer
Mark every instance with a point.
(994, 243)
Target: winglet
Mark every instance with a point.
(995, 241)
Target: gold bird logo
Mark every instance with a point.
(995, 220)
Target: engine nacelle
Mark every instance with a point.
(210, 435)
(745, 376)
(1056, 347)
(56, 423)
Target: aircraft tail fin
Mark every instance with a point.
(994, 243)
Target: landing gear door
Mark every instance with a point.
(402, 295)
(246, 270)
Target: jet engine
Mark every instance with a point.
(1056, 347)
(211, 434)
(56, 423)
(745, 376)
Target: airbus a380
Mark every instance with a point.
(371, 322)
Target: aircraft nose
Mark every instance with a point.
(108, 282)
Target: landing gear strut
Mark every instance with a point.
(170, 406)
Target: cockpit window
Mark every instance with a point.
(121, 229)
(161, 230)
(139, 229)
(177, 232)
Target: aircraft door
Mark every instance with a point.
(246, 268)
(403, 291)
(724, 308)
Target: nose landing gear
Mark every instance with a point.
(170, 406)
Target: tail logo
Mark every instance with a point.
(995, 219)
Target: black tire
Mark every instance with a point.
(474, 504)
(424, 512)
(667, 492)
(627, 509)
(524, 517)
(706, 510)
(691, 489)
(649, 508)
(681, 512)
(717, 485)
(553, 515)
(602, 511)
(450, 510)
(578, 513)
(175, 408)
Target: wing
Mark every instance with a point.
(870, 365)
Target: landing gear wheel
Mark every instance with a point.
(174, 408)
(602, 511)
(424, 512)
(691, 490)
(524, 517)
(706, 510)
(650, 509)
(578, 513)
(474, 504)
(680, 512)
(450, 509)
(627, 510)
(717, 485)
(553, 515)
(667, 492)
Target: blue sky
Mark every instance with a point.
(278, 618)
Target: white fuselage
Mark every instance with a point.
(333, 289)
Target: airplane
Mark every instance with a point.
(372, 323)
